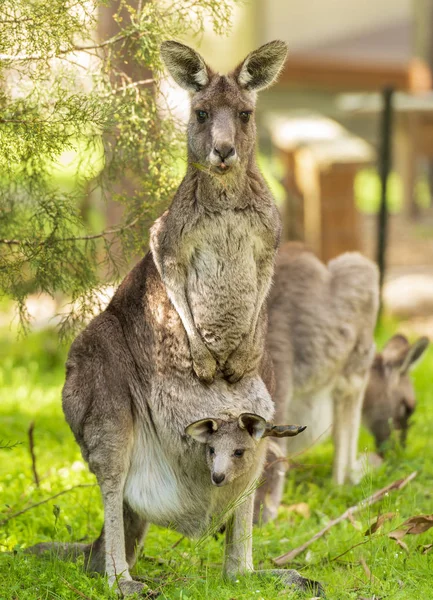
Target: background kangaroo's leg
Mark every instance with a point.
(348, 396)
(269, 494)
(135, 531)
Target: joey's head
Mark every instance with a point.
(389, 400)
(231, 445)
(221, 128)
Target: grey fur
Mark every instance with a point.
(320, 338)
(131, 395)
(214, 248)
(390, 396)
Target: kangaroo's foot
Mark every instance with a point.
(126, 588)
(292, 578)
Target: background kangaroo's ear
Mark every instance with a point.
(203, 429)
(399, 355)
(185, 65)
(414, 353)
(262, 66)
(254, 424)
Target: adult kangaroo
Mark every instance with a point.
(214, 247)
(145, 423)
(321, 340)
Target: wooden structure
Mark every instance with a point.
(322, 159)
(413, 139)
(316, 75)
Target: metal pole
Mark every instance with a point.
(384, 169)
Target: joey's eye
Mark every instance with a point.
(239, 453)
(211, 450)
(201, 115)
(245, 116)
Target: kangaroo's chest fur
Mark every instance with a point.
(223, 253)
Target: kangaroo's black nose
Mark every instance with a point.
(224, 151)
(218, 477)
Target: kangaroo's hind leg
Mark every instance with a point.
(98, 406)
(135, 529)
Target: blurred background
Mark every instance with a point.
(93, 139)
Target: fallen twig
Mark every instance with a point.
(32, 452)
(20, 512)
(396, 485)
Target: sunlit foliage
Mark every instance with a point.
(67, 85)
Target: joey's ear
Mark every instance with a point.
(283, 430)
(414, 353)
(185, 65)
(203, 429)
(254, 424)
(262, 66)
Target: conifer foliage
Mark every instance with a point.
(65, 86)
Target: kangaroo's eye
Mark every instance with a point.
(201, 115)
(245, 116)
(211, 450)
(239, 453)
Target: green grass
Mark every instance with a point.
(31, 376)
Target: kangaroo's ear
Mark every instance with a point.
(398, 355)
(283, 430)
(262, 66)
(254, 424)
(185, 65)
(203, 429)
(414, 353)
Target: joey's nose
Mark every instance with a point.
(224, 151)
(218, 477)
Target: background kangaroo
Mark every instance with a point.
(214, 248)
(131, 397)
(389, 400)
(320, 338)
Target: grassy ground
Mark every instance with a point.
(31, 376)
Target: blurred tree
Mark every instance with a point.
(60, 90)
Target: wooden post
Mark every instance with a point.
(384, 169)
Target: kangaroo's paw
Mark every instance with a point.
(204, 364)
(237, 365)
(292, 578)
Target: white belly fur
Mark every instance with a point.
(151, 488)
(316, 412)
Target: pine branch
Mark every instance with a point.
(79, 238)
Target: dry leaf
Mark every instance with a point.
(301, 509)
(397, 534)
(413, 526)
(377, 524)
(418, 524)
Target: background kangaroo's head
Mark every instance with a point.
(221, 129)
(231, 445)
(390, 396)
